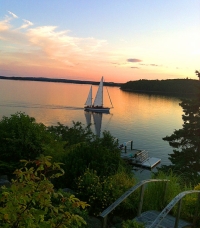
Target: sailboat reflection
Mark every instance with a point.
(97, 119)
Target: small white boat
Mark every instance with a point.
(97, 105)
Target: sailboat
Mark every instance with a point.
(97, 105)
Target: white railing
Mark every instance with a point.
(142, 156)
(104, 214)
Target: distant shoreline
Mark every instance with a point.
(41, 79)
(173, 87)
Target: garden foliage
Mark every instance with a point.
(22, 138)
(95, 155)
(101, 191)
(31, 201)
(92, 167)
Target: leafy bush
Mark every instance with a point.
(94, 155)
(132, 224)
(101, 192)
(22, 138)
(72, 135)
(189, 206)
(32, 201)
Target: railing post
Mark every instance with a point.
(141, 200)
(104, 222)
(196, 210)
(178, 214)
(131, 145)
(165, 192)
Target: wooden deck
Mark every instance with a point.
(139, 158)
(148, 217)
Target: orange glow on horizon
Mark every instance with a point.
(45, 51)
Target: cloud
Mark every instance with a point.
(152, 64)
(135, 67)
(26, 24)
(47, 46)
(12, 14)
(61, 46)
(134, 60)
(115, 63)
(3, 26)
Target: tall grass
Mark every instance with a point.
(156, 198)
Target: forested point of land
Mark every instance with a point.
(183, 87)
(61, 80)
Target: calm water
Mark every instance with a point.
(145, 119)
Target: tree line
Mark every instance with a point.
(183, 87)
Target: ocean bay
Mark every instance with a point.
(145, 119)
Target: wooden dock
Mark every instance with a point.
(139, 158)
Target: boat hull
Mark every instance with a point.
(95, 109)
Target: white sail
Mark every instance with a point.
(89, 98)
(97, 105)
(97, 123)
(98, 101)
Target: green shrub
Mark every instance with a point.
(22, 138)
(101, 192)
(121, 182)
(132, 224)
(31, 201)
(189, 206)
(95, 156)
(72, 135)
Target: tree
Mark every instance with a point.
(22, 138)
(186, 141)
(101, 154)
(197, 73)
(72, 135)
(31, 201)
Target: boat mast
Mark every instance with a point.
(102, 90)
(98, 101)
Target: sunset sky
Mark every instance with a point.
(121, 40)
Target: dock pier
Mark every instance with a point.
(137, 157)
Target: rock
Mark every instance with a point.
(117, 219)
(68, 190)
(4, 181)
(94, 222)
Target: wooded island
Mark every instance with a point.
(183, 87)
